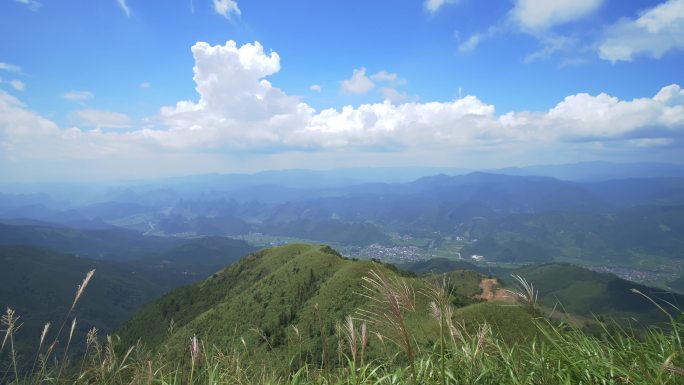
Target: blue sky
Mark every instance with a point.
(107, 89)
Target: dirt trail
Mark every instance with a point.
(491, 292)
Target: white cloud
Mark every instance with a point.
(654, 33)
(393, 95)
(536, 18)
(144, 85)
(475, 39)
(239, 111)
(434, 5)
(315, 87)
(252, 113)
(540, 14)
(31, 4)
(471, 43)
(78, 96)
(237, 106)
(124, 7)
(24, 132)
(103, 119)
(9, 67)
(17, 84)
(605, 116)
(389, 78)
(384, 76)
(359, 83)
(551, 44)
(226, 7)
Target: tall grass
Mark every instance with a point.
(562, 354)
(390, 298)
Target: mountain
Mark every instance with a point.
(440, 265)
(165, 261)
(301, 178)
(627, 193)
(598, 171)
(574, 289)
(113, 244)
(329, 230)
(40, 286)
(592, 294)
(261, 297)
(268, 295)
(627, 236)
(189, 262)
(506, 218)
(439, 203)
(677, 284)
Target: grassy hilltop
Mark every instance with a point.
(274, 296)
(303, 314)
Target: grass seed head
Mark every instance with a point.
(82, 287)
(44, 333)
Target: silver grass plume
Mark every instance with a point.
(526, 291)
(82, 287)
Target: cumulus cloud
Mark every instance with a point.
(654, 33)
(124, 7)
(315, 87)
(144, 85)
(384, 76)
(537, 19)
(359, 83)
(226, 8)
(434, 5)
(605, 117)
(78, 96)
(540, 14)
(239, 108)
(237, 105)
(239, 111)
(393, 95)
(103, 119)
(23, 131)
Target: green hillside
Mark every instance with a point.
(40, 286)
(192, 261)
(260, 299)
(277, 316)
(677, 284)
(623, 237)
(113, 244)
(439, 265)
(589, 293)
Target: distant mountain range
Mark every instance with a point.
(504, 217)
(599, 171)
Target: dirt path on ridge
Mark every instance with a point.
(491, 292)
